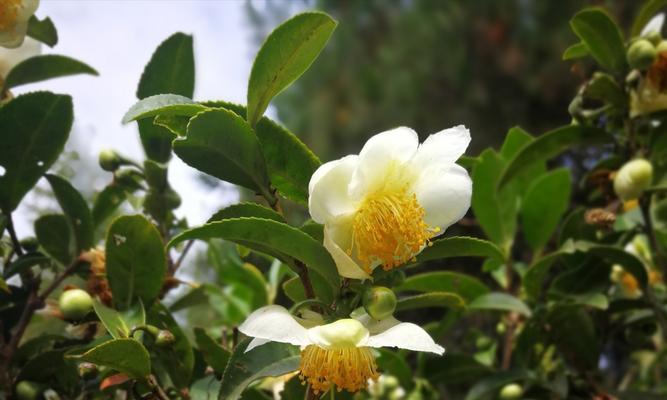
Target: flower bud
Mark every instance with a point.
(661, 47)
(75, 304)
(109, 160)
(633, 178)
(641, 54)
(654, 37)
(27, 390)
(164, 338)
(511, 391)
(87, 370)
(379, 302)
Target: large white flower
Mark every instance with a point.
(383, 206)
(14, 17)
(337, 353)
(11, 57)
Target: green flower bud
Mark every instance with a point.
(379, 302)
(654, 37)
(109, 160)
(27, 390)
(512, 391)
(164, 338)
(87, 370)
(172, 199)
(75, 304)
(633, 178)
(641, 54)
(661, 47)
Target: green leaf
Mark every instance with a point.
(645, 13)
(260, 233)
(455, 369)
(108, 201)
(604, 87)
(112, 320)
(460, 246)
(35, 128)
(246, 210)
(293, 289)
(392, 363)
(50, 366)
(616, 255)
(123, 355)
(270, 359)
(445, 281)
(170, 70)
(221, 144)
(602, 36)
(175, 124)
(54, 235)
(44, 67)
(22, 263)
(499, 301)
(431, 299)
(583, 348)
(43, 31)
(178, 358)
(213, 353)
(534, 277)
(482, 389)
(543, 205)
(286, 54)
(136, 261)
(76, 209)
(162, 104)
(550, 145)
(577, 50)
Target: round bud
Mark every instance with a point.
(511, 391)
(661, 47)
(109, 160)
(164, 338)
(654, 37)
(87, 370)
(641, 54)
(483, 342)
(75, 304)
(379, 302)
(30, 244)
(172, 199)
(27, 390)
(391, 382)
(633, 178)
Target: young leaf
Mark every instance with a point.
(123, 355)
(221, 144)
(499, 301)
(460, 246)
(270, 359)
(544, 204)
(602, 36)
(44, 67)
(577, 50)
(431, 299)
(246, 210)
(112, 320)
(76, 209)
(162, 104)
(35, 128)
(286, 54)
(107, 201)
(54, 235)
(43, 31)
(463, 285)
(136, 261)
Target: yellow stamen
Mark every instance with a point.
(630, 205)
(347, 368)
(389, 229)
(9, 10)
(630, 284)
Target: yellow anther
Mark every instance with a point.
(347, 368)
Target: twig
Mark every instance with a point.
(155, 387)
(305, 279)
(12, 234)
(181, 256)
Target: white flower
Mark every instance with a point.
(337, 353)
(14, 17)
(654, 24)
(383, 206)
(10, 57)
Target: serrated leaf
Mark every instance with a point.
(43, 67)
(246, 210)
(123, 355)
(577, 50)
(76, 209)
(602, 36)
(55, 236)
(501, 302)
(463, 285)
(270, 359)
(162, 104)
(460, 246)
(286, 54)
(43, 31)
(35, 128)
(221, 144)
(431, 299)
(135, 261)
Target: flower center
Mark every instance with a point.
(9, 10)
(389, 229)
(348, 368)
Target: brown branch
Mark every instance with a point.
(181, 256)
(12, 234)
(305, 279)
(156, 388)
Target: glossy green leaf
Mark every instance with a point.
(577, 50)
(617, 255)
(582, 349)
(43, 31)
(170, 70)
(246, 210)
(176, 124)
(55, 236)
(293, 289)
(135, 260)
(550, 145)
(604, 40)
(221, 144)
(162, 104)
(460, 246)
(286, 54)
(112, 320)
(178, 358)
(645, 13)
(390, 362)
(253, 232)
(431, 299)
(107, 202)
(534, 277)
(543, 205)
(214, 354)
(123, 355)
(76, 209)
(270, 359)
(501, 302)
(44, 67)
(50, 366)
(22, 263)
(35, 128)
(463, 285)
(605, 88)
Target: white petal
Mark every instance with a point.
(337, 238)
(375, 326)
(405, 336)
(328, 189)
(381, 159)
(444, 194)
(276, 324)
(256, 342)
(10, 57)
(654, 24)
(443, 147)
